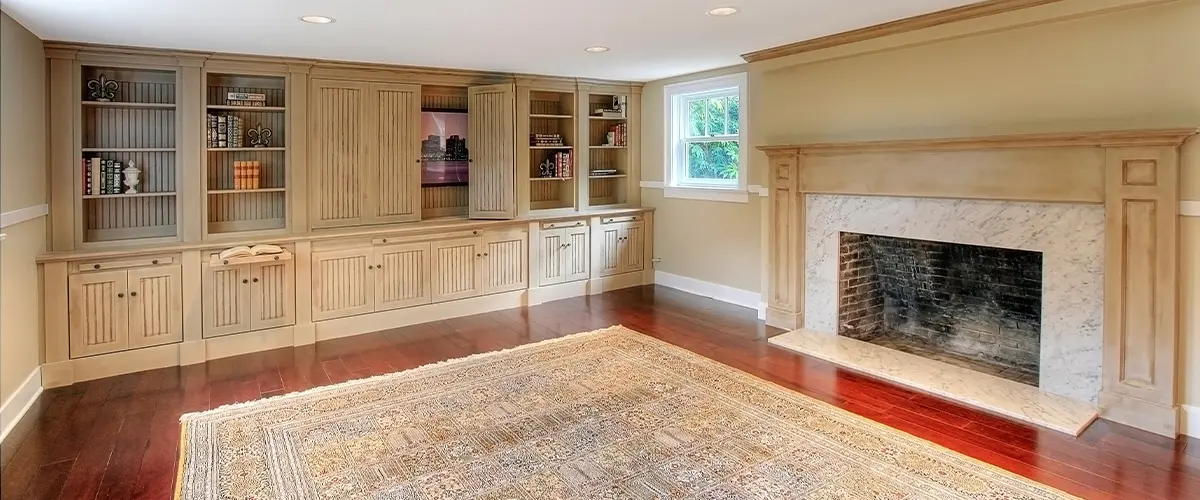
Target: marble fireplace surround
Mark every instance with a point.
(1070, 237)
(1101, 206)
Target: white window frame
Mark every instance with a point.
(676, 184)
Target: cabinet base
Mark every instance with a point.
(1145, 415)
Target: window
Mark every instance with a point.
(706, 157)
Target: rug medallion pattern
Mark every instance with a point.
(605, 414)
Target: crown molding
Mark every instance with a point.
(963, 13)
(1114, 138)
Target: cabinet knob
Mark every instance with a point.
(133, 294)
(154, 262)
(370, 267)
(379, 266)
(96, 266)
(384, 240)
(485, 254)
(479, 255)
(245, 281)
(474, 232)
(120, 295)
(568, 244)
(256, 280)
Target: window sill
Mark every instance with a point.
(704, 194)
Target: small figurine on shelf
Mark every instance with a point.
(260, 136)
(546, 169)
(103, 89)
(131, 174)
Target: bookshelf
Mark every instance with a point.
(127, 117)
(608, 149)
(245, 183)
(552, 142)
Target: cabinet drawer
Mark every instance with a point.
(108, 265)
(563, 224)
(623, 218)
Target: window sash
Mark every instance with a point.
(684, 113)
(678, 111)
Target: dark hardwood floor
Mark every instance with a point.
(118, 437)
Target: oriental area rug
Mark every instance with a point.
(604, 414)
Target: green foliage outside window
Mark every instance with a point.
(713, 117)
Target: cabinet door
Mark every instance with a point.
(155, 306)
(272, 294)
(395, 190)
(492, 146)
(454, 273)
(401, 276)
(609, 238)
(576, 263)
(343, 283)
(505, 261)
(551, 249)
(226, 293)
(338, 153)
(633, 245)
(98, 313)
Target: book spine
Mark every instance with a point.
(87, 177)
(222, 131)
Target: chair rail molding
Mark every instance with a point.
(20, 215)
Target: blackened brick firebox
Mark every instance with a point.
(973, 306)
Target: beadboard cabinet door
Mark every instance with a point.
(394, 183)
(272, 294)
(339, 152)
(343, 283)
(609, 238)
(576, 263)
(155, 306)
(402, 276)
(633, 244)
(455, 269)
(98, 313)
(505, 261)
(551, 249)
(492, 147)
(226, 302)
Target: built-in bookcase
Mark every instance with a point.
(608, 150)
(552, 113)
(128, 117)
(246, 180)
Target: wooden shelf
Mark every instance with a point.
(217, 150)
(551, 147)
(125, 195)
(241, 191)
(128, 105)
(222, 107)
(607, 147)
(127, 150)
(551, 178)
(556, 117)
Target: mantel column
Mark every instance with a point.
(1141, 288)
(785, 237)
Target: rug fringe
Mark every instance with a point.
(375, 378)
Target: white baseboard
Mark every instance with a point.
(15, 407)
(1190, 421)
(715, 291)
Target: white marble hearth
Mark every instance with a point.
(986, 392)
(1069, 236)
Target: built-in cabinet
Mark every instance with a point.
(620, 246)
(245, 297)
(124, 309)
(565, 252)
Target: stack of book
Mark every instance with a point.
(224, 131)
(602, 172)
(608, 113)
(620, 134)
(102, 176)
(246, 174)
(546, 140)
(247, 99)
(562, 164)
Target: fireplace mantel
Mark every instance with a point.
(1134, 174)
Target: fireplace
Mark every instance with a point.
(977, 307)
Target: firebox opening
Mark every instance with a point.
(972, 306)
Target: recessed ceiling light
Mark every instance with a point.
(723, 11)
(316, 19)
(597, 48)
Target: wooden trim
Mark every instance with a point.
(1109, 138)
(963, 13)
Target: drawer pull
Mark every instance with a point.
(154, 262)
(384, 240)
(95, 266)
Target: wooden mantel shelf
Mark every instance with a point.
(1111, 138)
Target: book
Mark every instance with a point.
(249, 251)
(245, 96)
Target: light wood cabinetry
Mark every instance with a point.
(455, 268)
(246, 297)
(111, 311)
(505, 261)
(402, 275)
(490, 139)
(564, 253)
(365, 153)
(343, 283)
(620, 247)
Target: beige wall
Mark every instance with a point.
(1127, 68)
(729, 256)
(22, 184)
